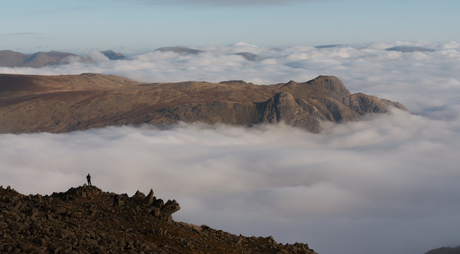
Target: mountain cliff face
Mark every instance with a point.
(283, 107)
(65, 103)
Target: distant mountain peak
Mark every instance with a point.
(112, 55)
(410, 49)
(96, 100)
(180, 50)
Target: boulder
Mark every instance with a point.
(64, 233)
(170, 207)
(158, 203)
(138, 196)
(149, 199)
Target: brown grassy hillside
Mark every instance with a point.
(64, 103)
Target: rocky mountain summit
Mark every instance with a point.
(30, 103)
(87, 220)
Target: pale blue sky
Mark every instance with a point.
(30, 26)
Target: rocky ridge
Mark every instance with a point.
(64, 103)
(86, 220)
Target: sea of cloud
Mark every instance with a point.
(388, 184)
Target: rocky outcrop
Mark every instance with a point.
(78, 102)
(86, 220)
(283, 108)
(363, 104)
(149, 199)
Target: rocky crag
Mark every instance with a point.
(66, 103)
(86, 220)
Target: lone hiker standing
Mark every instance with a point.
(88, 178)
(116, 200)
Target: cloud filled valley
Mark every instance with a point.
(388, 184)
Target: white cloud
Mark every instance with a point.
(388, 184)
(97, 56)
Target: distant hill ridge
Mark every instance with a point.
(10, 58)
(30, 103)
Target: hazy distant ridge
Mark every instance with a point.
(11, 59)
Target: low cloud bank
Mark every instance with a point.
(388, 184)
(392, 178)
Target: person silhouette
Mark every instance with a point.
(88, 178)
(116, 200)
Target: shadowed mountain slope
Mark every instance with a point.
(111, 55)
(406, 49)
(180, 50)
(65, 103)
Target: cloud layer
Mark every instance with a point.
(388, 184)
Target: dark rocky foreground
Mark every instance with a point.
(85, 220)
